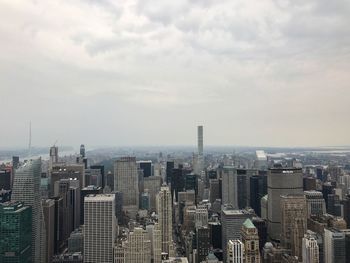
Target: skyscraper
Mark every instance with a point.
(310, 249)
(250, 240)
(99, 228)
(229, 186)
(232, 221)
(126, 181)
(334, 246)
(53, 155)
(164, 210)
(315, 203)
(235, 251)
(15, 233)
(293, 222)
(82, 150)
(26, 189)
(155, 236)
(200, 161)
(281, 181)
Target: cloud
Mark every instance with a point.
(224, 63)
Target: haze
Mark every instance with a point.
(99, 72)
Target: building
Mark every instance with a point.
(170, 165)
(203, 243)
(126, 181)
(261, 160)
(146, 167)
(5, 179)
(229, 186)
(280, 181)
(26, 189)
(49, 219)
(53, 155)
(293, 222)
(235, 251)
(165, 219)
(200, 161)
(258, 189)
(68, 258)
(214, 190)
(76, 241)
(89, 190)
(155, 236)
(152, 185)
(102, 173)
(232, 221)
(316, 205)
(5, 195)
(310, 249)
(137, 247)
(99, 228)
(334, 246)
(15, 233)
(250, 240)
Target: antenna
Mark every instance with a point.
(30, 138)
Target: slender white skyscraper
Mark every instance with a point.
(126, 181)
(235, 251)
(26, 188)
(310, 249)
(200, 162)
(165, 218)
(99, 228)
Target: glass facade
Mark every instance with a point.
(15, 233)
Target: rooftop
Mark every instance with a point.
(248, 223)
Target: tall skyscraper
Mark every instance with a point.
(200, 161)
(229, 186)
(316, 205)
(99, 228)
(203, 243)
(49, 218)
(26, 189)
(310, 249)
(334, 246)
(155, 236)
(232, 221)
(165, 219)
(82, 150)
(126, 181)
(53, 155)
(281, 181)
(293, 222)
(15, 233)
(250, 240)
(146, 167)
(258, 189)
(235, 251)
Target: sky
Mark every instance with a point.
(147, 72)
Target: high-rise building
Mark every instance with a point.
(126, 181)
(250, 240)
(152, 185)
(310, 249)
(26, 189)
(235, 251)
(203, 243)
(293, 222)
(82, 150)
(229, 186)
(200, 161)
(170, 165)
(214, 190)
(334, 246)
(138, 247)
(5, 179)
(232, 221)
(99, 228)
(89, 190)
(258, 189)
(164, 210)
(281, 181)
(5, 195)
(347, 210)
(49, 219)
(146, 167)
(66, 171)
(15, 233)
(316, 206)
(155, 236)
(53, 155)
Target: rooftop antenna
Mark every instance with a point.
(30, 138)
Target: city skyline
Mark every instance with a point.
(270, 73)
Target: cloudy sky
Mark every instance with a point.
(147, 72)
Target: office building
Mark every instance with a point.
(26, 189)
(15, 233)
(200, 162)
(250, 240)
(99, 228)
(146, 167)
(232, 221)
(235, 251)
(164, 210)
(82, 150)
(214, 190)
(203, 243)
(229, 186)
(155, 237)
(293, 222)
(137, 247)
(76, 241)
(310, 249)
(152, 186)
(66, 171)
(170, 165)
(334, 246)
(316, 206)
(89, 190)
(102, 173)
(53, 155)
(280, 181)
(258, 189)
(5, 195)
(5, 179)
(126, 181)
(49, 219)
